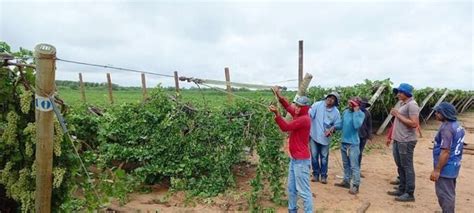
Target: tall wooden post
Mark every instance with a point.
(109, 83)
(376, 95)
(466, 104)
(45, 55)
(229, 88)
(176, 82)
(81, 86)
(144, 87)
(454, 98)
(387, 119)
(446, 92)
(460, 102)
(300, 63)
(301, 90)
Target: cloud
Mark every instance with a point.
(424, 43)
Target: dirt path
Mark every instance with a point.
(378, 168)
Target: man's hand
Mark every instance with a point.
(434, 175)
(394, 112)
(388, 142)
(273, 109)
(276, 91)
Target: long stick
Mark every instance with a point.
(144, 92)
(81, 84)
(109, 83)
(45, 55)
(229, 88)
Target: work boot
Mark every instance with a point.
(395, 182)
(324, 180)
(343, 184)
(405, 198)
(354, 190)
(315, 178)
(395, 193)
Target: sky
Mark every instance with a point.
(424, 43)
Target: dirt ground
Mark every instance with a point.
(378, 168)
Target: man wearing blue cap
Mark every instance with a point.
(404, 141)
(447, 155)
(298, 172)
(324, 114)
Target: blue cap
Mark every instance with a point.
(302, 101)
(447, 110)
(404, 88)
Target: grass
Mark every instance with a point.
(201, 98)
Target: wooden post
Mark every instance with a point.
(425, 101)
(387, 120)
(437, 103)
(109, 82)
(176, 82)
(460, 102)
(301, 90)
(300, 63)
(376, 95)
(229, 88)
(144, 87)
(81, 85)
(466, 104)
(45, 55)
(428, 97)
(454, 99)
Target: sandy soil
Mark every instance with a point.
(378, 168)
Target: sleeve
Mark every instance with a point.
(339, 120)
(313, 110)
(413, 109)
(446, 138)
(290, 109)
(357, 119)
(289, 126)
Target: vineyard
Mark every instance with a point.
(186, 142)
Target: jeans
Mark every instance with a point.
(362, 143)
(298, 183)
(446, 192)
(350, 159)
(319, 158)
(403, 155)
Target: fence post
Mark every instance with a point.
(81, 85)
(144, 87)
(45, 55)
(301, 90)
(176, 82)
(454, 99)
(387, 120)
(300, 63)
(109, 82)
(466, 104)
(437, 103)
(229, 88)
(460, 103)
(376, 95)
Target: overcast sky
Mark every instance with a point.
(425, 43)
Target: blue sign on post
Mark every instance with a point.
(43, 104)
